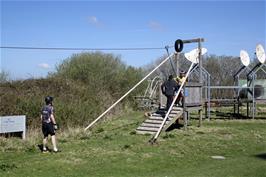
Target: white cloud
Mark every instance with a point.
(44, 66)
(154, 25)
(94, 21)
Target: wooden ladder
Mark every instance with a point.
(153, 123)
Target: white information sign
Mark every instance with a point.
(11, 124)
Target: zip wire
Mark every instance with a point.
(65, 48)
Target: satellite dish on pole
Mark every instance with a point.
(193, 55)
(260, 53)
(244, 57)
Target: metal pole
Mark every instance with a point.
(154, 89)
(120, 99)
(151, 88)
(253, 97)
(169, 110)
(146, 91)
(209, 98)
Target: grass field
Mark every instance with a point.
(113, 149)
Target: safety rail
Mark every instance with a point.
(236, 99)
(154, 89)
(149, 87)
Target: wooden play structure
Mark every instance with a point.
(197, 92)
(154, 125)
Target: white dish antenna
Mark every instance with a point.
(193, 55)
(260, 53)
(244, 57)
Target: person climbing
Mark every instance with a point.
(179, 80)
(169, 88)
(48, 123)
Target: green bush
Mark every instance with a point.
(83, 86)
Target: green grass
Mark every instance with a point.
(224, 112)
(113, 149)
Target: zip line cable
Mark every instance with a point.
(65, 48)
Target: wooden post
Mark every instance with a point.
(160, 95)
(200, 117)
(206, 110)
(200, 67)
(248, 109)
(177, 63)
(200, 80)
(185, 113)
(238, 105)
(185, 119)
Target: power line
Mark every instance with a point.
(65, 48)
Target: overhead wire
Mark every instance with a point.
(70, 48)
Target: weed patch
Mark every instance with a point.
(7, 166)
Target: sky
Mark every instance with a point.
(226, 26)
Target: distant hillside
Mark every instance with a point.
(83, 86)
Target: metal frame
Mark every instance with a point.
(237, 89)
(251, 78)
(150, 87)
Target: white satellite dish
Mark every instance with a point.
(244, 57)
(193, 55)
(260, 53)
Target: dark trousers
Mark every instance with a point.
(169, 101)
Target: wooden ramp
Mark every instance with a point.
(153, 123)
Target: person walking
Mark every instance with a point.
(169, 88)
(48, 123)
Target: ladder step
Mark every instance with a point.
(156, 115)
(147, 129)
(144, 132)
(154, 121)
(155, 118)
(160, 118)
(150, 125)
(177, 108)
